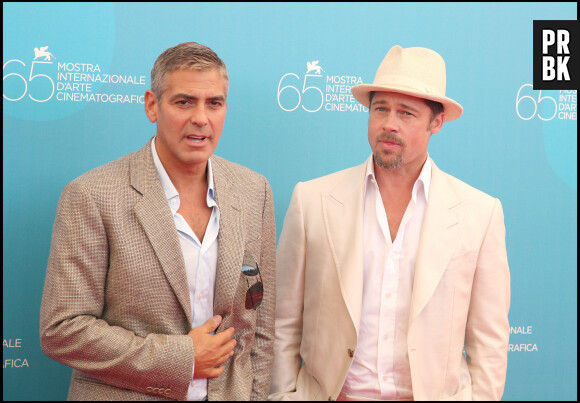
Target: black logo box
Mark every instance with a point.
(572, 27)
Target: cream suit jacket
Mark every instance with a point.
(116, 304)
(460, 295)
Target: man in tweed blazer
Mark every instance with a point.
(158, 259)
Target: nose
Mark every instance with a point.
(199, 115)
(391, 123)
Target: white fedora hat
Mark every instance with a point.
(419, 72)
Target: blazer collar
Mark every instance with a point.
(156, 218)
(343, 211)
(231, 240)
(439, 239)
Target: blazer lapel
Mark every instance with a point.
(438, 239)
(343, 219)
(230, 239)
(155, 216)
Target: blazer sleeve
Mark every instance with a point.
(262, 350)
(290, 300)
(71, 329)
(487, 332)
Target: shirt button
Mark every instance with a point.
(387, 295)
(173, 201)
(384, 377)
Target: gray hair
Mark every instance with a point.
(185, 56)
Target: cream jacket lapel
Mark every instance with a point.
(460, 296)
(439, 235)
(342, 208)
(320, 273)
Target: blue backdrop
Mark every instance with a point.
(74, 76)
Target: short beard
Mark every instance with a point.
(391, 164)
(396, 159)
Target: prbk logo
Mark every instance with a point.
(556, 56)
(315, 91)
(552, 100)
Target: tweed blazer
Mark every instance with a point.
(116, 305)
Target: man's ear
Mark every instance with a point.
(436, 124)
(151, 106)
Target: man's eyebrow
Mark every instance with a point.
(189, 96)
(399, 105)
(217, 98)
(407, 106)
(181, 95)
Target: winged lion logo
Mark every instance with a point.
(42, 52)
(313, 66)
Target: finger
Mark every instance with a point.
(215, 372)
(223, 359)
(226, 335)
(227, 348)
(211, 324)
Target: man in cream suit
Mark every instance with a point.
(392, 276)
(161, 277)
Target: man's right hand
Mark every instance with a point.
(211, 351)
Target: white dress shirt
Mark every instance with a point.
(380, 367)
(200, 259)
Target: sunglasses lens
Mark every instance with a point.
(254, 295)
(249, 270)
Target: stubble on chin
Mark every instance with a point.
(388, 159)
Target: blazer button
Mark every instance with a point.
(350, 353)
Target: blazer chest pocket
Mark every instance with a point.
(253, 251)
(251, 281)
